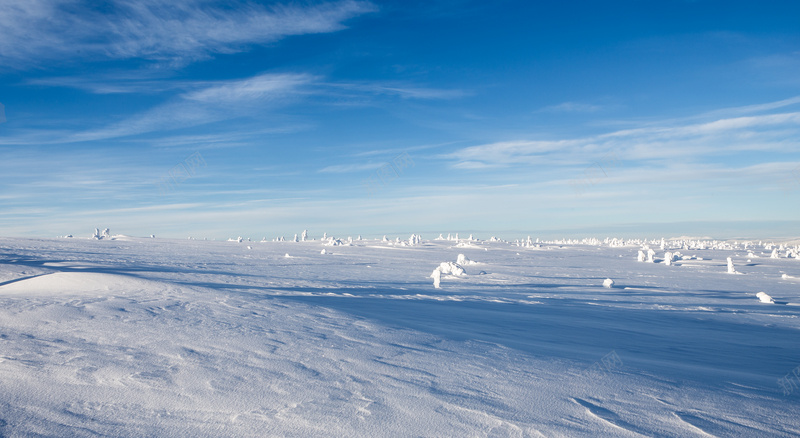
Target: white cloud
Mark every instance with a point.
(402, 90)
(573, 107)
(507, 153)
(209, 102)
(418, 93)
(204, 102)
(255, 88)
(350, 168)
(750, 109)
(770, 132)
(176, 31)
(120, 83)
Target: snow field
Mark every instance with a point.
(158, 337)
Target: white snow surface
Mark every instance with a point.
(156, 337)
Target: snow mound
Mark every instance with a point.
(467, 245)
(463, 260)
(764, 298)
(76, 283)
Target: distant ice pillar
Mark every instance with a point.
(437, 277)
(731, 269)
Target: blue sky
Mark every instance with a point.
(261, 119)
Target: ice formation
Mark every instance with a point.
(731, 269)
(437, 277)
(463, 260)
(764, 298)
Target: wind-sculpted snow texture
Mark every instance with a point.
(149, 337)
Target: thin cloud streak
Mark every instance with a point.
(693, 141)
(250, 89)
(205, 102)
(572, 107)
(350, 168)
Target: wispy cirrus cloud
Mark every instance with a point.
(203, 103)
(402, 90)
(349, 168)
(149, 82)
(256, 88)
(121, 83)
(753, 109)
(777, 133)
(177, 31)
(572, 107)
(195, 103)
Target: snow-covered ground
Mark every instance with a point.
(155, 337)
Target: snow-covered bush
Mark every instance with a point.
(452, 268)
(463, 260)
(106, 234)
(764, 298)
(446, 268)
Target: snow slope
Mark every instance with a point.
(152, 337)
